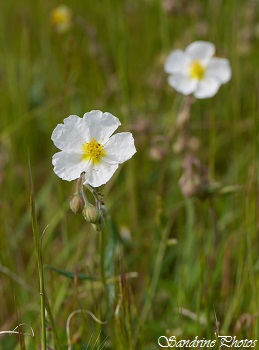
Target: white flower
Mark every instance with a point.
(87, 146)
(196, 71)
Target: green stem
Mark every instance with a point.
(42, 304)
(52, 323)
(102, 257)
(39, 262)
(78, 184)
(94, 193)
(86, 201)
(102, 242)
(215, 225)
(156, 274)
(155, 277)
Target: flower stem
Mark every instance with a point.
(78, 184)
(102, 238)
(86, 201)
(94, 193)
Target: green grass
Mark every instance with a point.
(114, 62)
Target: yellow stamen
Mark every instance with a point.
(93, 151)
(197, 71)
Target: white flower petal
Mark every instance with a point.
(177, 62)
(207, 87)
(182, 83)
(68, 166)
(220, 69)
(71, 135)
(101, 125)
(201, 51)
(99, 174)
(119, 148)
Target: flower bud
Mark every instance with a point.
(104, 211)
(91, 213)
(99, 225)
(76, 203)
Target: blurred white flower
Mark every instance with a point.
(87, 146)
(61, 18)
(196, 71)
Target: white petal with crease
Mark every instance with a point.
(67, 166)
(207, 88)
(201, 51)
(182, 83)
(101, 125)
(219, 68)
(71, 135)
(100, 173)
(177, 62)
(119, 148)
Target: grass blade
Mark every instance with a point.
(39, 259)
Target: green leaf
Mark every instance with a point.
(70, 274)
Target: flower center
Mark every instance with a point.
(197, 71)
(93, 151)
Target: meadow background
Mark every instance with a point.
(165, 274)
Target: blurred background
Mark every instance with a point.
(179, 262)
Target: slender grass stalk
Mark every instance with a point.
(155, 278)
(52, 323)
(39, 260)
(102, 257)
(216, 231)
(156, 274)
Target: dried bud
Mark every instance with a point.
(189, 186)
(170, 6)
(91, 213)
(194, 143)
(194, 180)
(180, 144)
(76, 203)
(157, 153)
